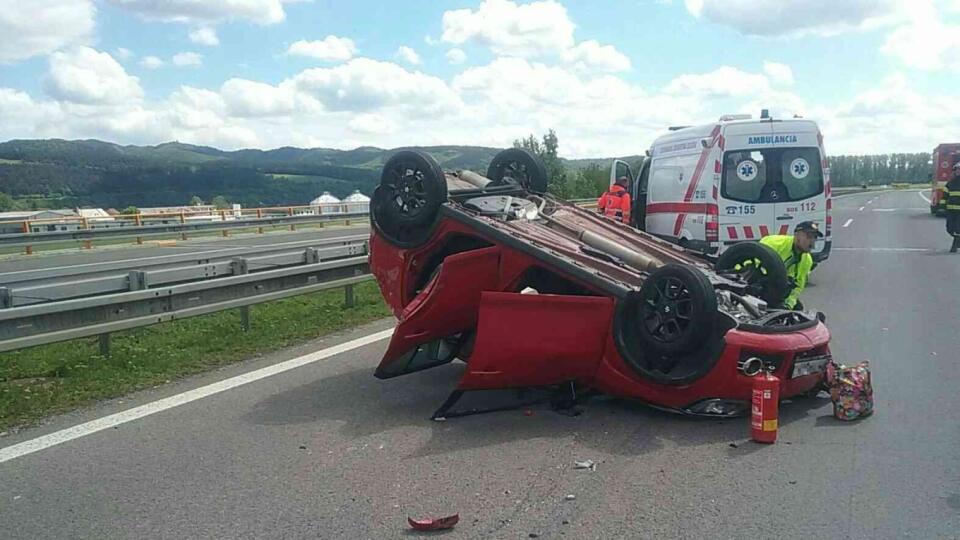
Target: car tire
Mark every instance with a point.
(770, 274)
(519, 166)
(675, 310)
(405, 205)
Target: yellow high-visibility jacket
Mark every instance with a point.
(798, 264)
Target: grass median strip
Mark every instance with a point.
(55, 378)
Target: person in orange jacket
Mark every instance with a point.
(615, 203)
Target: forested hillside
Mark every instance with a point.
(57, 173)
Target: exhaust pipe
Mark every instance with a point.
(640, 261)
(473, 178)
(751, 366)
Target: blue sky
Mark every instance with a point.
(880, 76)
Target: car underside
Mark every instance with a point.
(530, 291)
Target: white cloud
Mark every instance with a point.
(456, 56)
(245, 98)
(724, 81)
(408, 55)
(84, 75)
(187, 59)
(796, 17)
(123, 53)
(591, 56)
(366, 85)
(925, 41)
(151, 62)
(330, 49)
(534, 29)
(373, 124)
(204, 35)
(780, 74)
(43, 27)
(206, 11)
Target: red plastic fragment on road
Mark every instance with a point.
(435, 524)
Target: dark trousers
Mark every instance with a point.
(953, 229)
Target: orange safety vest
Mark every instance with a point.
(615, 204)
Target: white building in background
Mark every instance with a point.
(49, 221)
(357, 203)
(326, 204)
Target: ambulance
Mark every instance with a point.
(737, 180)
(944, 156)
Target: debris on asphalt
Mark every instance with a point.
(734, 445)
(434, 524)
(303, 447)
(440, 419)
(570, 497)
(792, 482)
(565, 522)
(585, 464)
(533, 535)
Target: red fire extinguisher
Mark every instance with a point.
(766, 400)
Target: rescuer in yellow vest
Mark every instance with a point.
(795, 252)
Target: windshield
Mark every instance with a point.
(771, 175)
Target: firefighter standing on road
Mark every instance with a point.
(951, 194)
(615, 203)
(795, 252)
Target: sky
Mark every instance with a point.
(608, 76)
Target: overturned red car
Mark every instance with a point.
(530, 290)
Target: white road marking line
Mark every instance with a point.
(885, 209)
(75, 432)
(895, 250)
(861, 209)
(924, 197)
(847, 224)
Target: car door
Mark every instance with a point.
(746, 201)
(805, 197)
(447, 306)
(537, 339)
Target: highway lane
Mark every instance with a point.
(73, 257)
(328, 451)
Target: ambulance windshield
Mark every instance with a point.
(772, 175)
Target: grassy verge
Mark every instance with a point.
(55, 378)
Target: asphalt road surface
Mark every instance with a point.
(150, 248)
(328, 451)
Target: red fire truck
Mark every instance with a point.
(944, 156)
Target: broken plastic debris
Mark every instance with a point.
(434, 524)
(585, 464)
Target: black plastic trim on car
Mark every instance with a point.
(824, 253)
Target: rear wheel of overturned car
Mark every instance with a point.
(405, 205)
(675, 310)
(760, 266)
(521, 167)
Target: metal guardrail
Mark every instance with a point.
(140, 231)
(51, 322)
(56, 284)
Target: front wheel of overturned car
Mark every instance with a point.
(405, 205)
(760, 266)
(675, 310)
(519, 166)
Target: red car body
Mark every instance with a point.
(464, 290)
